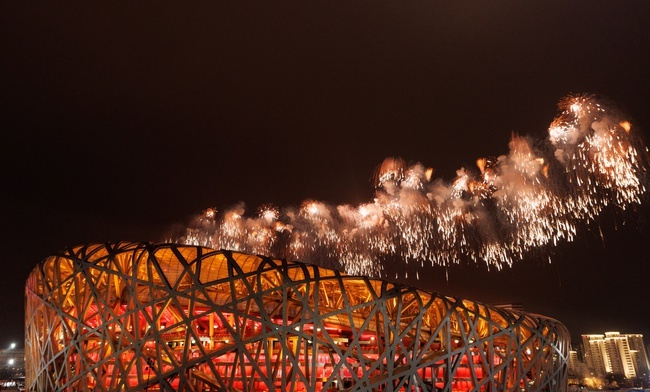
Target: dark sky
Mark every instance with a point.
(120, 122)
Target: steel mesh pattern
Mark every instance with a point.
(139, 316)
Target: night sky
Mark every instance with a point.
(122, 123)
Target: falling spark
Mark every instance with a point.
(528, 199)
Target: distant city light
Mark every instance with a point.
(12, 346)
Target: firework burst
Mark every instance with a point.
(528, 199)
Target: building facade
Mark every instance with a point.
(596, 353)
(12, 363)
(618, 352)
(140, 316)
(640, 355)
(574, 363)
(614, 352)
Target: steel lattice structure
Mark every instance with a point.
(140, 316)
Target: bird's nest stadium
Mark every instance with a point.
(165, 317)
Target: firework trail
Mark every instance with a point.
(528, 199)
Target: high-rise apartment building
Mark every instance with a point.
(616, 353)
(573, 363)
(620, 356)
(641, 362)
(595, 353)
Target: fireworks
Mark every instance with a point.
(528, 199)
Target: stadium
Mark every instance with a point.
(166, 317)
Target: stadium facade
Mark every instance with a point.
(148, 317)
